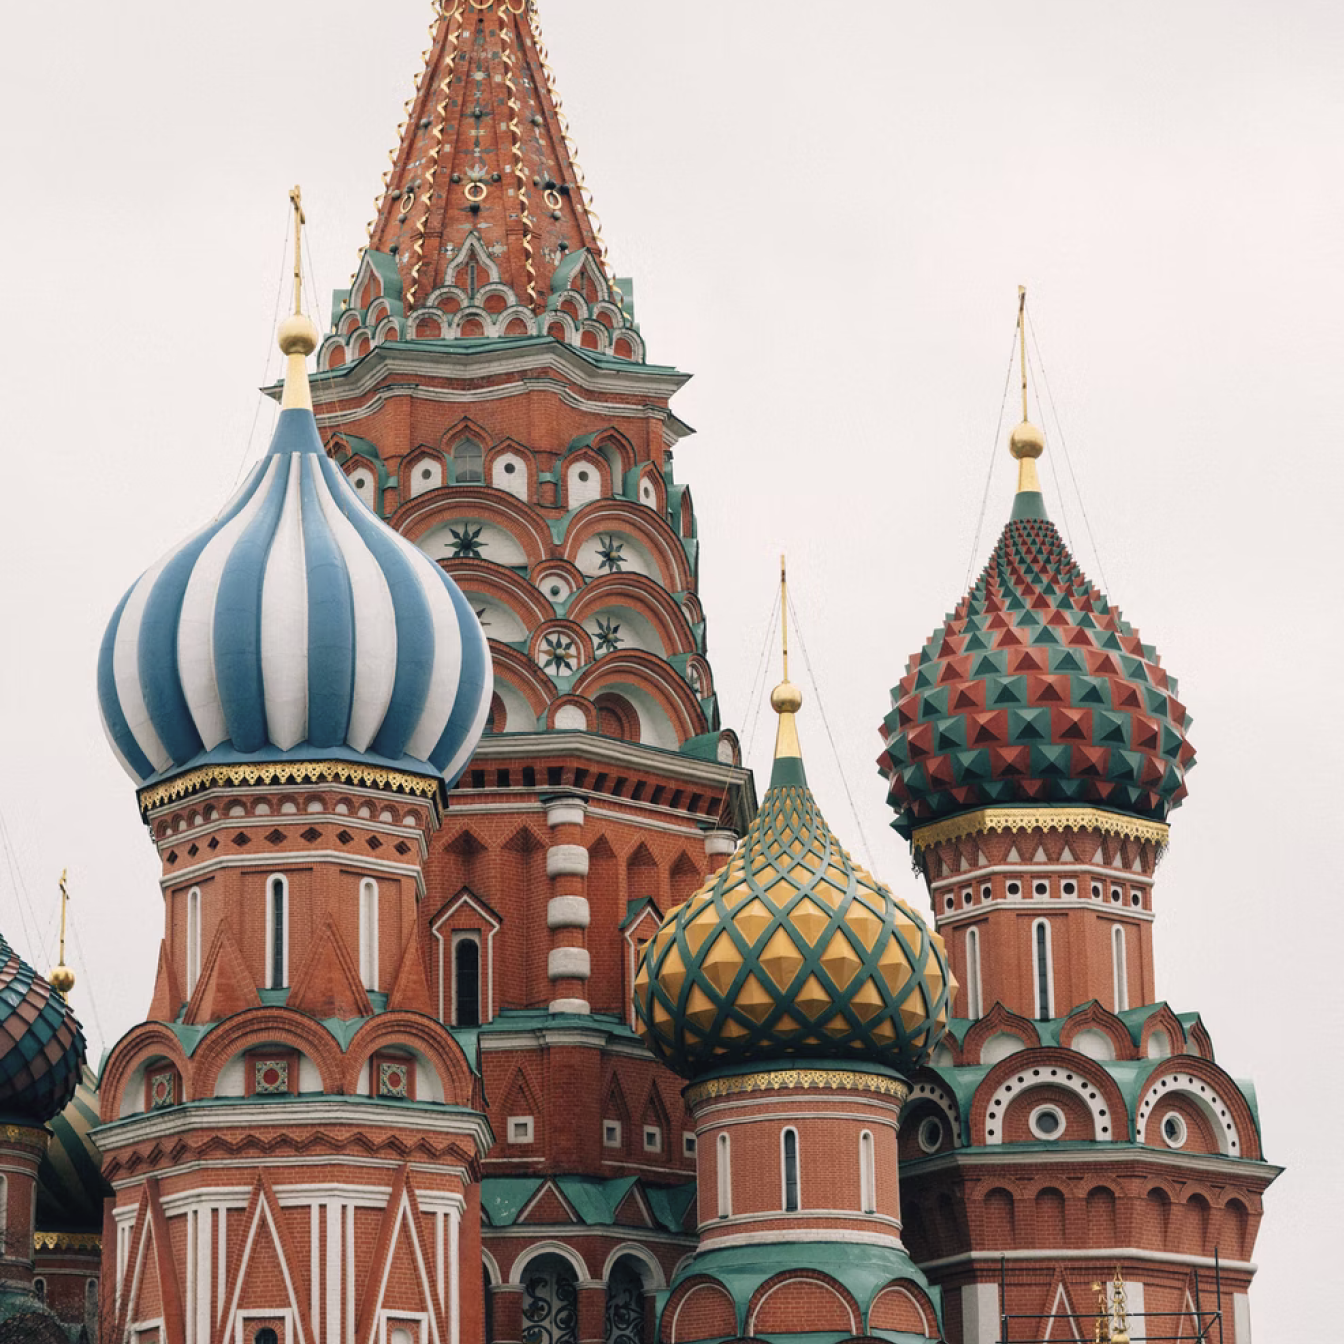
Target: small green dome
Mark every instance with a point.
(792, 951)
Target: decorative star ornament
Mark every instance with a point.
(611, 554)
(467, 544)
(558, 655)
(609, 635)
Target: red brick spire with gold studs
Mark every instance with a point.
(485, 149)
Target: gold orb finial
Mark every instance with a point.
(62, 979)
(786, 698)
(1026, 441)
(298, 335)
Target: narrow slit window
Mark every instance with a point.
(974, 1007)
(467, 983)
(1044, 977)
(791, 1171)
(193, 939)
(723, 1155)
(277, 968)
(1120, 966)
(368, 933)
(867, 1173)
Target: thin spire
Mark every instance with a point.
(62, 978)
(786, 700)
(298, 336)
(1026, 443)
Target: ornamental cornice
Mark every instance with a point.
(30, 1135)
(1042, 819)
(252, 773)
(67, 1241)
(780, 1080)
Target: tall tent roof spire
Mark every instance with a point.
(485, 149)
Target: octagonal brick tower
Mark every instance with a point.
(1071, 1121)
(486, 391)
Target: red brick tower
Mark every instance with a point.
(1071, 1122)
(484, 389)
(293, 1138)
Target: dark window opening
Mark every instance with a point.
(467, 983)
(790, 1171)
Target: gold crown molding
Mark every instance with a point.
(28, 1134)
(776, 1080)
(67, 1241)
(1043, 819)
(287, 772)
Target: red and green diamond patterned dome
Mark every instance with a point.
(41, 1044)
(1035, 690)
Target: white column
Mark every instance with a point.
(454, 1279)
(1241, 1318)
(980, 1313)
(334, 1276)
(204, 1247)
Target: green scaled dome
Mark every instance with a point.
(792, 951)
(41, 1044)
(1035, 690)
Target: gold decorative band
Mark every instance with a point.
(1041, 818)
(288, 772)
(67, 1241)
(776, 1080)
(24, 1134)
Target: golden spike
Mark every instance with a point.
(786, 699)
(1119, 1310)
(1026, 442)
(62, 978)
(298, 335)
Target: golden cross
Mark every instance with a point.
(296, 199)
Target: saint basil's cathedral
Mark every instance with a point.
(492, 1005)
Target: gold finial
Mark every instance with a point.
(786, 699)
(298, 336)
(1119, 1310)
(1027, 442)
(62, 978)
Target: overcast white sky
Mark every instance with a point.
(827, 210)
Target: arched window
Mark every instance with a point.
(90, 1302)
(867, 1174)
(974, 1008)
(265, 1336)
(1044, 971)
(466, 982)
(789, 1172)
(277, 932)
(1120, 967)
(468, 463)
(193, 939)
(40, 1290)
(368, 933)
(723, 1158)
(625, 1305)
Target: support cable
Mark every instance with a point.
(989, 475)
(265, 368)
(757, 693)
(1068, 461)
(1050, 460)
(23, 902)
(86, 985)
(830, 737)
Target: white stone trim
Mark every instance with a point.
(566, 861)
(294, 859)
(569, 963)
(1048, 1076)
(568, 912)
(1104, 1254)
(1208, 1101)
(569, 812)
(573, 1007)
(720, 843)
(846, 1234)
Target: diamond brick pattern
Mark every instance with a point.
(792, 950)
(1034, 690)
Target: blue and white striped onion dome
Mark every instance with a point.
(295, 626)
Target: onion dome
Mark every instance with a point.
(295, 625)
(70, 1184)
(1034, 690)
(41, 1044)
(792, 951)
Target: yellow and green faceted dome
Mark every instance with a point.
(792, 951)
